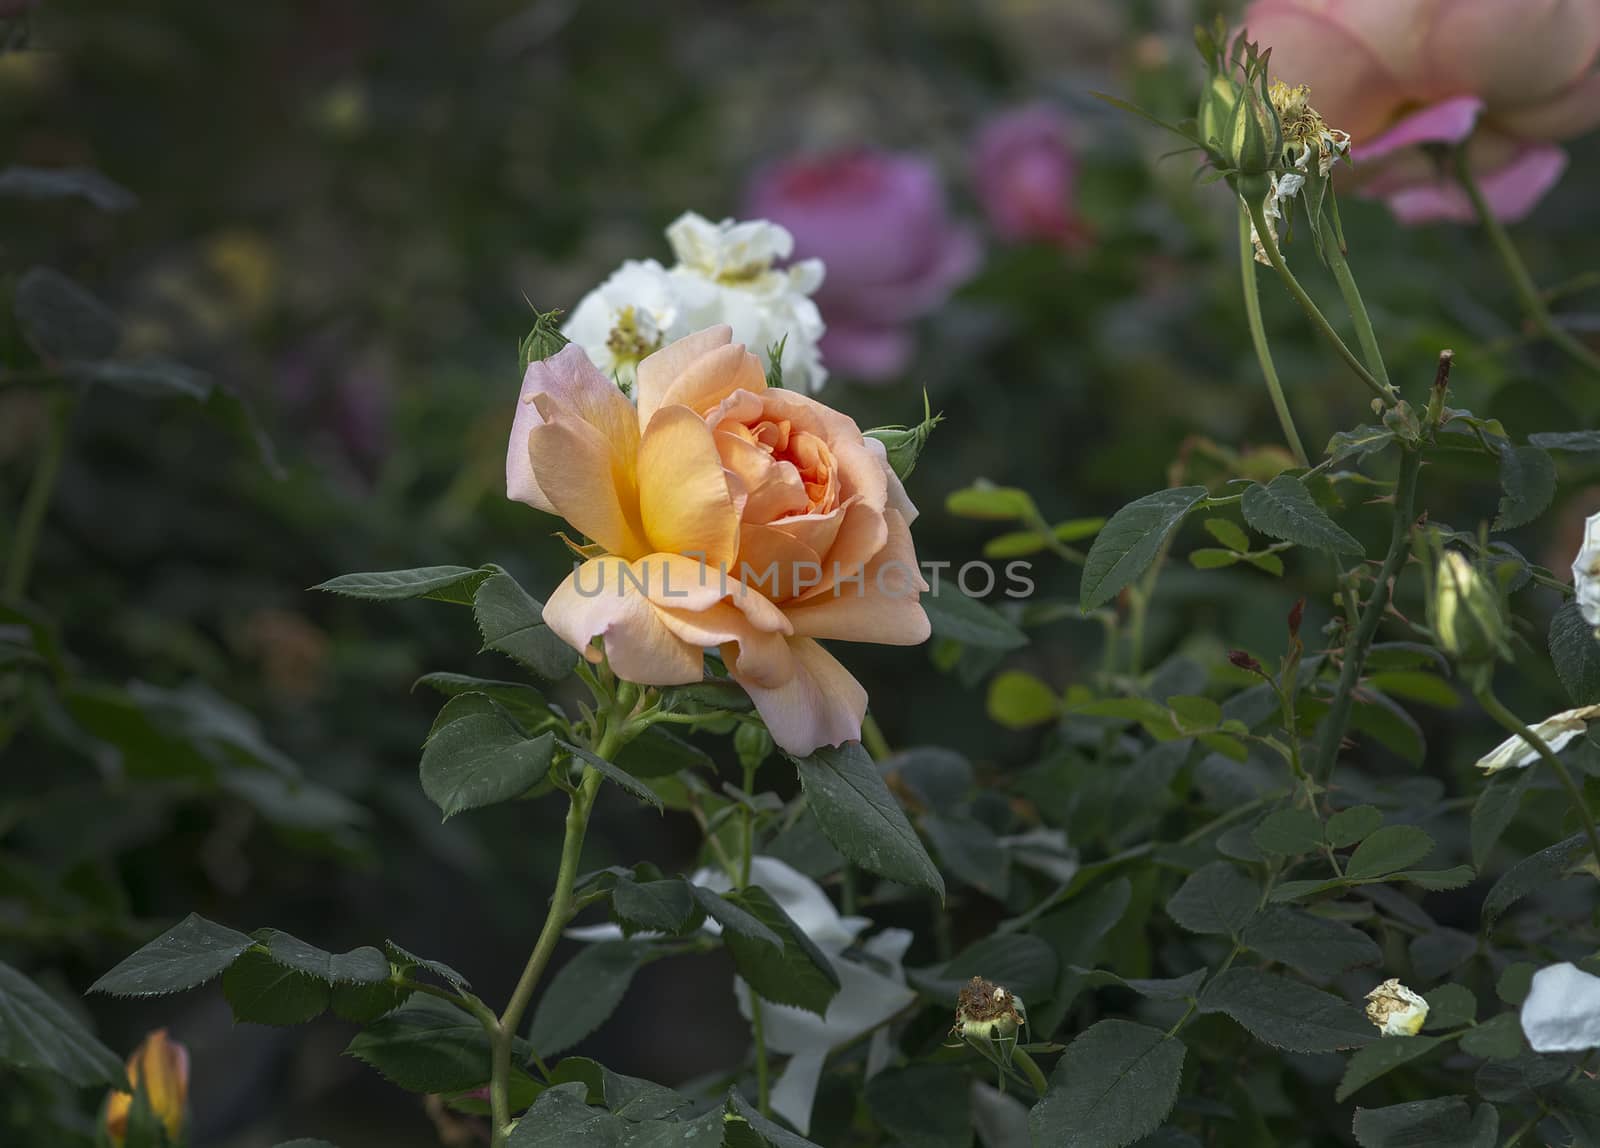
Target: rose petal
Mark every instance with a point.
(883, 608)
(571, 378)
(821, 704)
(657, 371)
(1566, 114)
(684, 499)
(612, 599)
(579, 470)
(1449, 121)
(1562, 1010)
(1511, 191)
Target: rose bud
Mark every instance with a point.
(160, 1068)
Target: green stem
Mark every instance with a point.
(1333, 247)
(747, 842)
(1533, 304)
(1258, 337)
(560, 913)
(30, 519)
(1355, 648)
(1258, 217)
(1031, 1070)
(872, 738)
(1513, 724)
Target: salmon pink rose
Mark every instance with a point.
(1397, 74)
(729, 514)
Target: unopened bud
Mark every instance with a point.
(1467, 615)
(1244, 661)
(544, 340)
(159, 1069)
(904, 444)
(1297, 613)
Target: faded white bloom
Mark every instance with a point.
(1283, 189)
(1586, 571)
(987, 1011)
(1045, 850)
(1396, 1010)
(871, 979)
(1562, 1012)
(724, 273)
(1556, 731)
(1304, 127)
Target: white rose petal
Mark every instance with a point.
(1396, 1010)
(1586, 571)
(1562, 1012)
(1557, 731)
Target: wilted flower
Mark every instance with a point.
(986, 1011)
(730, 514)
(160, 1066)
(880, 224)
(1586, 571)
(872, 986)
(1404, 73)
(1562, 1010)
(1396, 1010)
(1556, 731)
(725, 274)
(1025, 173)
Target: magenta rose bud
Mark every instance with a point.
(880, 224)
(1025, 174)
(1513, 76)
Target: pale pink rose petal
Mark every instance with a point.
(705, 381)
(1570, 113)
(1511, 190)
(881, 608)
(567, 372)
(1449, 121)
(1515, 54)
(821, 703)
(603, 599)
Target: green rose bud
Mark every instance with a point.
(544, 340)
(1466, 612)
(904, 444)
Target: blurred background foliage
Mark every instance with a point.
(337, 213)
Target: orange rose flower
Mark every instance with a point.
(731, 515)
(161, 1065)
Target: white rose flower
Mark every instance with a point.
(631, 315)
(1562, 1012)
(872, 983)
(1556, 731)
(1396, 1010)
(1586, 571)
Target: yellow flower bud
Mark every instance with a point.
(160, 1065)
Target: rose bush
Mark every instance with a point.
(727, 513)
(1400, 74)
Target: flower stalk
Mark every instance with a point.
(1258, 338)
(1527, 292)
(35, 504)
(747, 839)
(1333, 248)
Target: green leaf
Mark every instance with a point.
(959, 618)
(1289, 833)
(1287, 1014)
(1495, 810)
(1130, 541)
(1024, 963)
(186, 956)
(1388, 849)
(1443, 1123)
(796, 974)
(512, 623)
(38, 1033)
(736, 921)
(1312, 945)
(263, 991)
(1349, 826)
(1498, 1038)
(1416, 687)
(1195, 713)
(1450, 1006)
(1576, 1103)
(984, 500)
(928, 1105)
(1228, 533)
(427, 1046)
(1362, 440)
(1576, 653)
(1579, 442)
(770, 1134)
(1018, 700)
(1212, 558)
(1454, 877)
(1528, 477)
(614, 773)
(562, 1116)
(363, 966)
(1520, 1079)
(1381, 718)
(408, 960)
(479, 760)
(661, 906)
(626, 1096)
(1515, 982)
(84, 183)
(147, 378)
(584, 992)
(1532, 873)
(657, 753)
(1115, 1083)
(971, 852)
(1216, 898)
(1368, 1064)
(364, 1004)
(1285, 509)
(525, 704)
(440, 583)
(61, 320)
(859, 815)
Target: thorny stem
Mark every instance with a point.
(1533, 303)
(747, 839)
(30, 519)
(1334, 249)
(1258, 337)
(1258, 217)
(1355, 649)
(615, 733)
(1513, 724)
